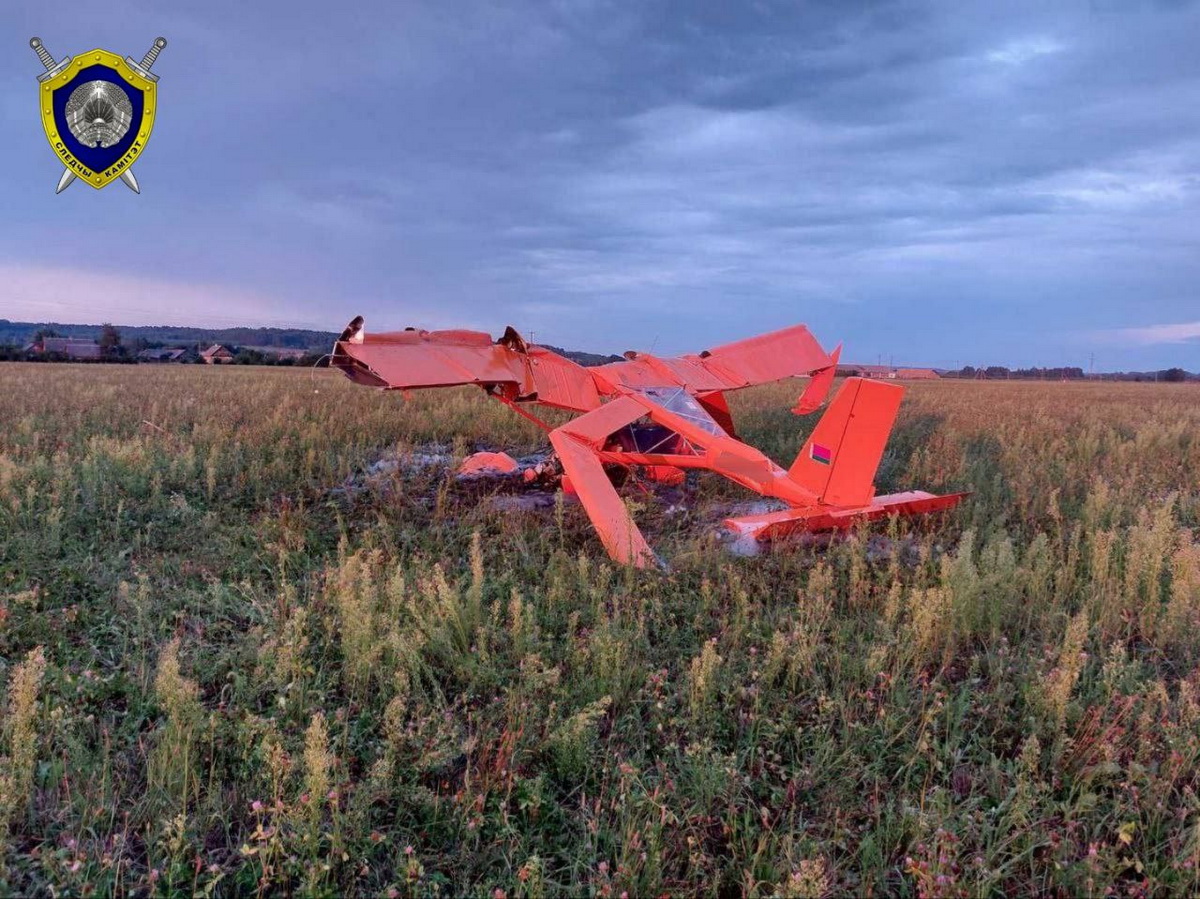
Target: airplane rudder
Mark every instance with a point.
(839, 461)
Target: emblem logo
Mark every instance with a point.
(98, 111)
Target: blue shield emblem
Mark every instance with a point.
(98, 111)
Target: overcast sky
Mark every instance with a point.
(938, 183)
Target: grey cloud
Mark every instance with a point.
(906, 176)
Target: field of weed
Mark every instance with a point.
(233, 664)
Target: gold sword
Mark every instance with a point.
(143, 69)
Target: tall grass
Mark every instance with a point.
(239, 659)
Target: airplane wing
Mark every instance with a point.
(791, 352)
(411, 359)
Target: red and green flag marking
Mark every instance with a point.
(822, 454)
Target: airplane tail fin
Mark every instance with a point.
(840, 458)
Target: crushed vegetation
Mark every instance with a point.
(237, 659)
(534, 488)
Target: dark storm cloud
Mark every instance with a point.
(938, 182)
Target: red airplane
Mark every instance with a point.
(666, 415)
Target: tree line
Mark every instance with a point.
(116, 349)
(1064, 373)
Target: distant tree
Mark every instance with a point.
(249, 357)
(110, 341)
(1174, 375)
(45, 332)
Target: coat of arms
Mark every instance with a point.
(98, 111)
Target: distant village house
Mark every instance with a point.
(73, 348)
(887, 372)
(216, 355)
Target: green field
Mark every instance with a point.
(234, 662)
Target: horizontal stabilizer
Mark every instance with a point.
(774, 525)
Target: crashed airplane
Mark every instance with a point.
(664, 416)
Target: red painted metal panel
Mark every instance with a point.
(768, 357)
(634, 373)
(406, 363)
(839, 460)
(595, 427)
(775, 525)
(610, 518)
(818, 387)
(561, 382)
(788, 353)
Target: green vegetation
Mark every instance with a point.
(225, 674)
